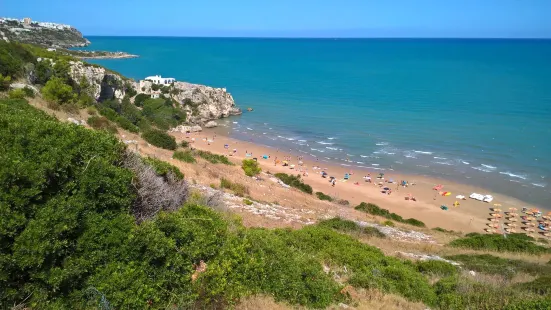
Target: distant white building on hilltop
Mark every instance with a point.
(157, 79)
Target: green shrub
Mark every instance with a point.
(184, 143)
(322, 196)
(100, 122)
(238, 189)
(16, 94)
(58, 92)
(294, 181)
(437, 267)
(92, 111)
(160, 139)
(247, 202)
(213, 158)
(490, 264)
(185, 156)
(343, 202)
(140, 98)
(162, 113)
(250, 167)
(348, 226)
(163, 168)
(511, 243)
(376, 210)
(414, 222)
(5, 82)
(29, 92)
(388, 223)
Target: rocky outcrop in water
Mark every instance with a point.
(201, 103)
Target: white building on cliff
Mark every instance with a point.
(157, 79)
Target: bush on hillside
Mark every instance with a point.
(184, 144)
(16, 94)
(214, 158)
(100, 122)
(5, 82)
(437, 268)
(540, 286)
(163, 168)
(376, 210)
(238, 189)
(322, 196)
(160, 139)
(29, 92)
(348, 226)
(162, 113)
(185, 156)
(491, 264)
(500, 243)
(251, 167)
(140, 99)
(58, 92)
(294, 181)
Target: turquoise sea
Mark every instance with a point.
(472, 111)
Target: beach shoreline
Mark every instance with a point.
(470, 216)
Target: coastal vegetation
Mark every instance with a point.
(374, 209)
(294, 181)
(322, 196)
(250, 167)
(213, 158)
(237, 188)
(185, 156)
(160, 139)
(495, 242)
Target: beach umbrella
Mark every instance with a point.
(497, 210)
(447, 193)
(512, 219)
(513, 209)
(381, 175)
(495, 214)
(497, 204)
(386, 188)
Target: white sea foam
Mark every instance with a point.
(235, 122)
(488, 166)
(325, 143)
(331, 138)
(359, 162)
(515, 181)
(381, 143)
(512, 175)
(481, 169)
(363, 156)
(422, 152)
(332, 148)
(249, 128)
(436, 157)
(410, 156)
(423, 166)
(349, 155)
(345, 165)
(375, 165)
(302, 141)
(465, 162)
(290, 139)
(443, 163)
(538, 184)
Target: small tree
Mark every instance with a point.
(251, 167)
(160, 139)
(57, 91)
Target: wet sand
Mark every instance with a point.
(470, 215)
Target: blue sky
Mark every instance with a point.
(295, 18)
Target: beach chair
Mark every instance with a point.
(444, 208)
(346, 176)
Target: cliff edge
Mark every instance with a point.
(41, 33)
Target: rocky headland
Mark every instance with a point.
(45, 34)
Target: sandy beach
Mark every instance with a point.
(470, 216)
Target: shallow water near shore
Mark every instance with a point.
(471, 111)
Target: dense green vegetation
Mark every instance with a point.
(491, 264)
(493, 242)
(376, 210)
(185, 156)
(213, 158)
(347, 226)
(163, 168)
(160, 139)
(101, 123)
(322, 196)
(437, 268)
(294, 181)
(251, 167)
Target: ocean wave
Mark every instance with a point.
(350, 155)
(331, 138)
(423, 152)
(515, 181)
(436, 157)
(443, 163)
(359, 162)
(488, 166)
(321, 151)
(375, 165)
(512, 175)
(345, 165)
(332, 148)
(235, 122)
(249, 128)
(410, 156)
(324, 143)
(364, 156)
(481, 169)
(465, 162)
(381, 143)
(302, 141)
(538, 184)
(423, 166)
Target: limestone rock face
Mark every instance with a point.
(203, 103)
(211, 124)
(102, 84)
(184, 128)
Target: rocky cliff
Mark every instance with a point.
(201, 103)
(101, 83)
(44, 34)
